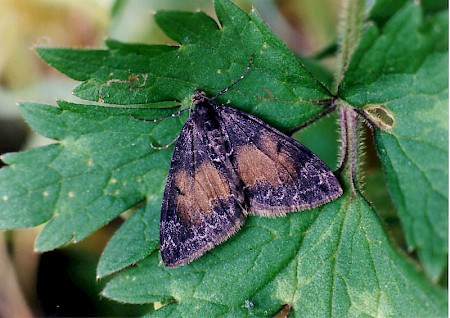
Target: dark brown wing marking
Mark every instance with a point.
(279, 174)
(203, 199)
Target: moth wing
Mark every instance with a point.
(279, 174)
(203, 203)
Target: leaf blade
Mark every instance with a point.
(103, 153)
(341, 264)
(403, 66)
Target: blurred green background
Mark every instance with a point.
(62, 283)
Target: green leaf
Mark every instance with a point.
(103, 163)
(333, 261)
(277, 88)
(102, 166)
(382, 10)
(28, 198)
(404, 67)
(435, 5)
(138, 236)
(68, 61)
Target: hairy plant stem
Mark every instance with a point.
(350, 28)
(350, 141)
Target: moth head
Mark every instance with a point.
(198, 97)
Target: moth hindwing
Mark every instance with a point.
(228, 164)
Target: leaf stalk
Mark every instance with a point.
(348, 34)
(350, 145)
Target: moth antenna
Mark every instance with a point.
(325, 112)
(223, 91)
(165, 146)
(154, 120)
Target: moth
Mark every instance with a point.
(226, 165)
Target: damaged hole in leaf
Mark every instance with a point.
(382, 117)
